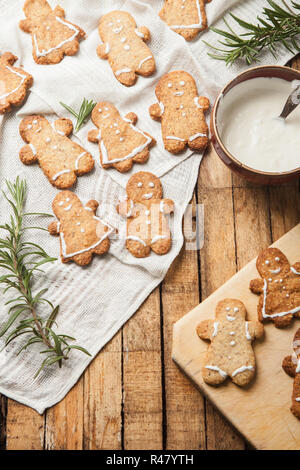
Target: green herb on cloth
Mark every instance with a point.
(85, 110)
(278, 26)
(20, 261)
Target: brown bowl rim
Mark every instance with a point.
(222, 93)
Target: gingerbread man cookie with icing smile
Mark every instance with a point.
(291, 365)
(279, 288)
(230, 353)
(186, 17)
(82, 234)
(14, 83)
(52, 36)
(181, 112)
(124, 47)
(61, 159)
(120, 143)
(145, 211)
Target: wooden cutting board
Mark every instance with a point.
(261, 412)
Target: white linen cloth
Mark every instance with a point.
(97, 300)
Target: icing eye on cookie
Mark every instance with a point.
(170, 85)
(151, 185)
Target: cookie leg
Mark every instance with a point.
(63, 181)
(126, 78)
(200, 143)
(243, 378)
(103, 247)
(174, 146)
(85, 164)
(212, 377)
(142, 157)
(123, 166)
(161, 247)
(147, 67)
(282, 322)
(83, 259)
(295, 409)
(137, 249)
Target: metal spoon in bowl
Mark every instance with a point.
(291, 103)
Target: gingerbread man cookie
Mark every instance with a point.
(52, 36)
(61, 159)
(186, 17)
(124, 47)
(82, 234)
(145, 210)
(291, 365)
(279, 288)
(120, 143)
(14, 83)
(230, 352)
(181, 112)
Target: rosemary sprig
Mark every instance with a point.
(21, 260)
(85, 110)
(277, 26)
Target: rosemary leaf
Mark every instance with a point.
(84, 112)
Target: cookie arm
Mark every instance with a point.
(26, 25)
(59, 11)
(144, 33)
(53, 228)
(94, 136)
(28, 155)
(63, 126)
(155, 112)
(167, 206)
(124, 208)
(203, 102)
(288, 366)
(205, 329)
(8, 58)
(103, 51)
(132, 117)
(93, 205)
(257, 286)
(256, 329)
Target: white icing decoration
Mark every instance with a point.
(125, 70)
(77, 160)
(162, 108)
(46, 52)
(235, 309)
(298, 367)
(144, 60)
(170, 85)
(147, 212)
(190, 26)
(105, 116)
(216, 326)
(151, 185)
(171, 137)
(161, 206)
(229, 318)
(68, 199)
(277, 258)
(197, 102)
(132, 154)
(68, 208)
(232, 343)
(33, 149)
(48, 140)
(29, 126)
(298, 399)
(232, 333)
(107, 48)
(227, 309)
(148, 196)
(88, 209)
(182, 83)
(82, 230)
(136, 239)
(178, 93)
(23, 78)
(139, 34)
(241, 369)
(61, 203)
(129, 213)
(140, 185)
(248, 336)
(60, 173)
(127, 47)
(117, 30)
(275, 271)
(273, 315)
(267, 262)
(295, 271)
(158, 237)
(193, 137)
(217, 369)
(64, 248)
(123, 40)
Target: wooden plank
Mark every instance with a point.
(217, 264)
(24, 428)
(103, 399)
(3, 410)
(185, 411)
(262, 416)
(142, 397)
(64, 422)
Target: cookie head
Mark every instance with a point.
(104, 112)
(230, 310)
(66, 205)
(32, 125)
(144, 186)
(114, 23)
(175, 84)
(272, 264)
(36, 8)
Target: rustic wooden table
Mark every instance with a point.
(132, 396)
